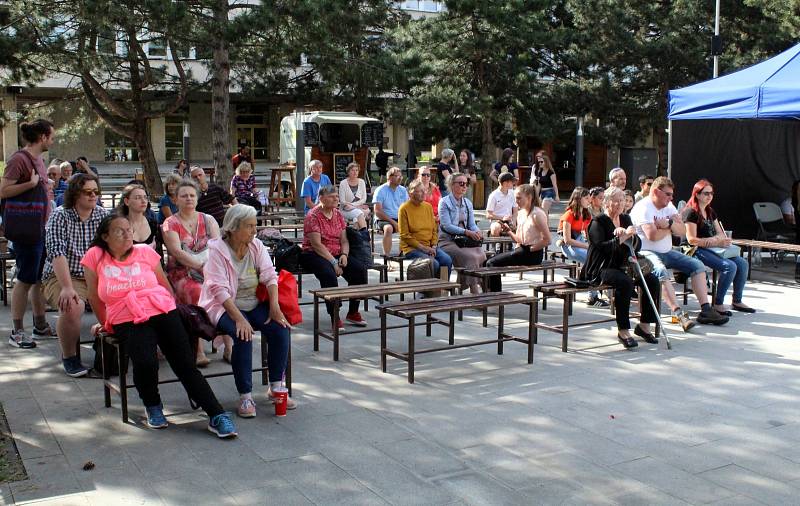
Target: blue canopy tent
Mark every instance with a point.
(740, 131)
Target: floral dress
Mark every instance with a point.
(186, 282)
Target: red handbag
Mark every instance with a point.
(287, 297)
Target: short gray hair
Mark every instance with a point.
(614, 172)
(234, 218)
(447, 153)
(610, 193)
(328, 189)
(312, 164)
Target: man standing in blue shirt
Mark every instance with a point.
(312, 184)
(388, 198)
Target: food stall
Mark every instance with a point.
(334, 138)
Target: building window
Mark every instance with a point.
(119, 148)
(173, 137)
(422, 6)
(156, 48)
(107, 42)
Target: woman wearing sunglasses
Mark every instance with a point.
(432, 193)
(704, 230)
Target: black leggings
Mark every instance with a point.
(167, 331)
(519, 256)
(623, 290)
(355, 273)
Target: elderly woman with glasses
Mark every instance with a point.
(243, 186)
(704, 231)
(457, 228)
(132, 298)
(326, 252)
(432, 193)
(237, 263)
(608, 254)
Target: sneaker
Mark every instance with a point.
(247, 409)
(74, 368)
(155, 417)
(46, 333)
(290, 404)
(684, 320)
(711, 316)
(222, 426)
(356, 319)
(597, 302)
(20, 339)
(339, 324)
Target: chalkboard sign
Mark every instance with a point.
(310, 134)
(340, 163)
(372, 134)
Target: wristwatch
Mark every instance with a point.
(669, 222)
(334, 262)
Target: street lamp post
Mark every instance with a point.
(579, 153)
(716, 42)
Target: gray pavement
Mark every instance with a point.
(714, 421)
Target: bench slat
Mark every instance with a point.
(400, 287)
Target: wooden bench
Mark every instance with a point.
(567, 293)
(546, 267)
(410, 310)
(121, 386)
(5, 258)
(335, 296)
(749, 245)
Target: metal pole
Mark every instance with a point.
(411, 158)
(186, 142)
(579, 153)
(716, 36)
(669, 149)
(299, 158)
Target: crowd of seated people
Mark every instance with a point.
(113, 261)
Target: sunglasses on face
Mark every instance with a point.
(460, 183)
(426, 174)
(90, 193)
(707, 192)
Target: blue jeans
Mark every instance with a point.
(277, 338)
(441, 259)
(731, 270)
(673, 260)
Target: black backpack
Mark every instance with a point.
(359, 246)
(287, 256)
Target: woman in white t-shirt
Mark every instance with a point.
(353, 197)
(501, 207)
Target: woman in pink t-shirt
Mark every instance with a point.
(131, 296)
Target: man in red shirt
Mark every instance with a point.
(25, 172)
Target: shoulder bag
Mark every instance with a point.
(25, 215)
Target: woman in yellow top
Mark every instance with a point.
(418, 229)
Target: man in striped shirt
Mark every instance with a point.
(69, 231)
(212, 199)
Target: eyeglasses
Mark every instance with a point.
(707, 193)
(121, 232)
(668, 194)
(90, 193)
(460, 183)
(649, 183)
(425, 174)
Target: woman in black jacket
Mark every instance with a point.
(606, 258)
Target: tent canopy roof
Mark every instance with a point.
(768, 89)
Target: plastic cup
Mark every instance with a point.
(280, 400)
(729, 233)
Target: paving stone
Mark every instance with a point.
(753, 485)
(48, 477)
(478, 489)
(283, 494)
(675, 482)
(424, 458)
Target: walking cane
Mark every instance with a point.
(664, 344)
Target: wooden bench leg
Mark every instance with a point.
(336, 306)
(451, 331)
(122, 362)
(500, 315)
(383, 340)
(264, 359)
(428, 321)
(565, 323)
(411, 344)
(316, 323)
(533, 330)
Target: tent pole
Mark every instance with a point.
(669, 149)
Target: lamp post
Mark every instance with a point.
(716, 42)
(299, 158)
(579, 153)
(186, 142)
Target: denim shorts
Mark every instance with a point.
(30, 262)
(548, 193)
(673, 260)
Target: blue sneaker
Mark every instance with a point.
(155, 417)
(222, 426)
(73, 367)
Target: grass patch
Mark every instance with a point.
(11, 468)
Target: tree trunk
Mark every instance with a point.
(487, 155)
(220, 100)
(152, 178)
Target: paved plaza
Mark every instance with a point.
(714, 421)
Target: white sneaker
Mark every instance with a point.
(20, 339)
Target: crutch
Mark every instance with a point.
(664, 343)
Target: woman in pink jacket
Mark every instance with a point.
(236, 264)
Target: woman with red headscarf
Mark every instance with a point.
(704, 231)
